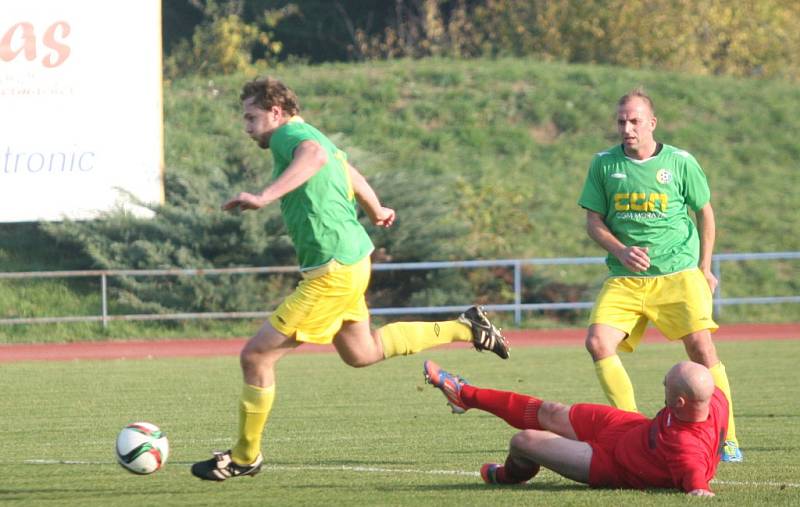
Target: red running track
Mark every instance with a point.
(229, 347)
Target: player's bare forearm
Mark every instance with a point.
(309, 157)
(634, 258)
(701, 492)
(707, 230)
(368, 199)
(365, 195)
(601, 234)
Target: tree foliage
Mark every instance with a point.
(740, 38)
(733, 37)
(225, 43)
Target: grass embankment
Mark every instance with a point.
(505, 143)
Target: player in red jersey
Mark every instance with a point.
(603, 446)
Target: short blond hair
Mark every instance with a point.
(637, 93)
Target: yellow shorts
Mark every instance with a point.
(324, 299)
(678, 304)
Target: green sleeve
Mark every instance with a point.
(696, 191)
(593, 195)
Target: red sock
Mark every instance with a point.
(513, 473)
(518, 410)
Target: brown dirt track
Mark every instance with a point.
(204, 347)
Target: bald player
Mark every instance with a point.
(603, 446)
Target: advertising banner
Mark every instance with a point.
(80, 108)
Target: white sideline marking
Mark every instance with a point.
(65, 462)
(753, 483)
(380, 470)
(322, 468)
(373, 470)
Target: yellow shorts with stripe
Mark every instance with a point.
(325, 298)
(677, 304)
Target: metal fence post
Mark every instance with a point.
(517, 292)
(716, 268)
(104, 298)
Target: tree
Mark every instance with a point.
(225, 43)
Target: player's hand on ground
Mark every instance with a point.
(701, 492)
(384, 217)
(244, 201)
(711, 279)
(635, 258)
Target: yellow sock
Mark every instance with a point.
(616, 383)
(404, 338)
(721, 381)
(254, 407)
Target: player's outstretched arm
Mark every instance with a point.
(700, 492)
(368, 200)
(309, 157)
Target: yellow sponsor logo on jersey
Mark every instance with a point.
(640, 201)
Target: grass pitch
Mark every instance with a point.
(376, 436)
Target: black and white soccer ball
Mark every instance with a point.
(142, 448)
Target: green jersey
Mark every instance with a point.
(645, 203)
(320, 214)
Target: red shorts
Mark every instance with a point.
(601, 426)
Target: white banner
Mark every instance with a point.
(80, 107)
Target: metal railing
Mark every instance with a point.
(516, 264)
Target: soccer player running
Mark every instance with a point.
(603, 446)
(318, 189)
(637, 195)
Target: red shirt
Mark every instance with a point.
(670, 453)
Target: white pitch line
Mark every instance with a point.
(376, 470)
(279, 468)
(380, 470)
(753, 483)
(64, 462)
